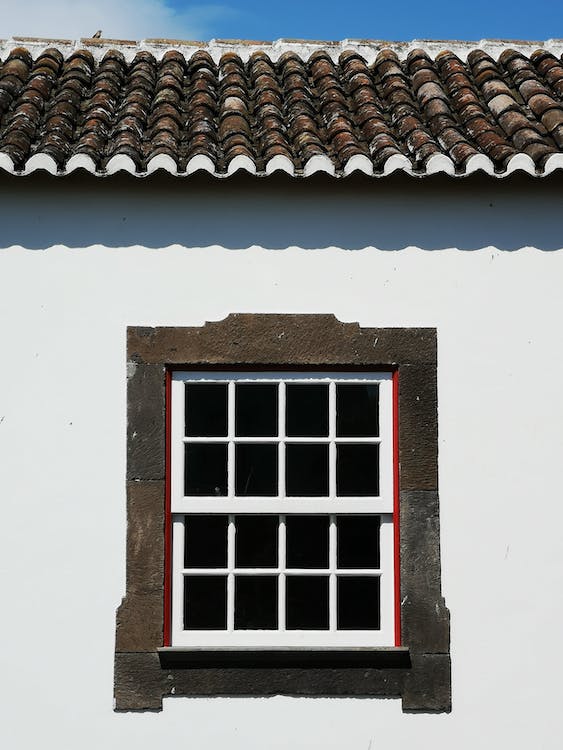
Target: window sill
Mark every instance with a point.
(180, 657)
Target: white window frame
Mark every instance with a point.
(231, 505)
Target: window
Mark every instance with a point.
(282, 510)
(268, 439)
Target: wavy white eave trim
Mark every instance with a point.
(436, 164)
(520, 162)
(319, 163)
(358, 163)
(243, 163)
(41, 161)
(555, 161)
(162, 161)
(368, 48)
(280, 163)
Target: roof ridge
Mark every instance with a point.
(368, 48)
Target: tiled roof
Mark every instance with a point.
(299, 107)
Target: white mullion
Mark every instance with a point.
(230, 574)
(367, 572)
(230, 436)
(281, 576)
(177, 440)
(387, 578)
(332, 602)
(306, 440)
(178, 536)
(332, 437)
(386, 443)
(281, 438)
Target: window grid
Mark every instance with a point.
(281, 503)
(231, 505)
(332, 572)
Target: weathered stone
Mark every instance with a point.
(428, 684)
(140, 616)
(145, 421)
(301, 340)
(425, 619)
(418, 427)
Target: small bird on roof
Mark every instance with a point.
(97, 35)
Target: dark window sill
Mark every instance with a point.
(179, 657)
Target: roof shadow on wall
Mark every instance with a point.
(277, 212)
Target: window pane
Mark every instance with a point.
(256, 541)
(306, 470)
(206, 542)
(307, 541)
(357, 541)
(205, 470)
(205, 602)
(307, 603)
(357, 470)
(256, 602)
(206, 409)
(256, 410)
(358, 603)
(357, 410)
(256, 470)
(306, 410)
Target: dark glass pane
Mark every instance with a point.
(205, 603)
(357, 470)
(206, 409)
(307, 603)
(256, 602)
(358, 603)
(256, 471)
(205, 469)
(306, 410)
(306, 541)
(256, 541)
(357, 410)
(357, 541)
(256, 409)
(306, 471)
(206, 542)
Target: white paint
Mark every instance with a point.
(121, 162)
(479, 162)
(480, 259)
(318, 163)
(440, 163)
(368, 48)
(279, 163)
(200, 162)
(162, 161)
(80, 161)
(6, 163)
(242, 162)
(40, 161)
(358, 163)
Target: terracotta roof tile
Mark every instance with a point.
(298, 106)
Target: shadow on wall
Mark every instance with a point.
(277, 212)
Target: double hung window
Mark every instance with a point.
(282, 502)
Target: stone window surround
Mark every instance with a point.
(419, 672)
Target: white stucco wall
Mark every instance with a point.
(80, 260)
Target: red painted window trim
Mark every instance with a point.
(167, 640)
(396, 517)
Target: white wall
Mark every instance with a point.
(82, 275)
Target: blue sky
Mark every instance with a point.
(313, 19)
(383, 19)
